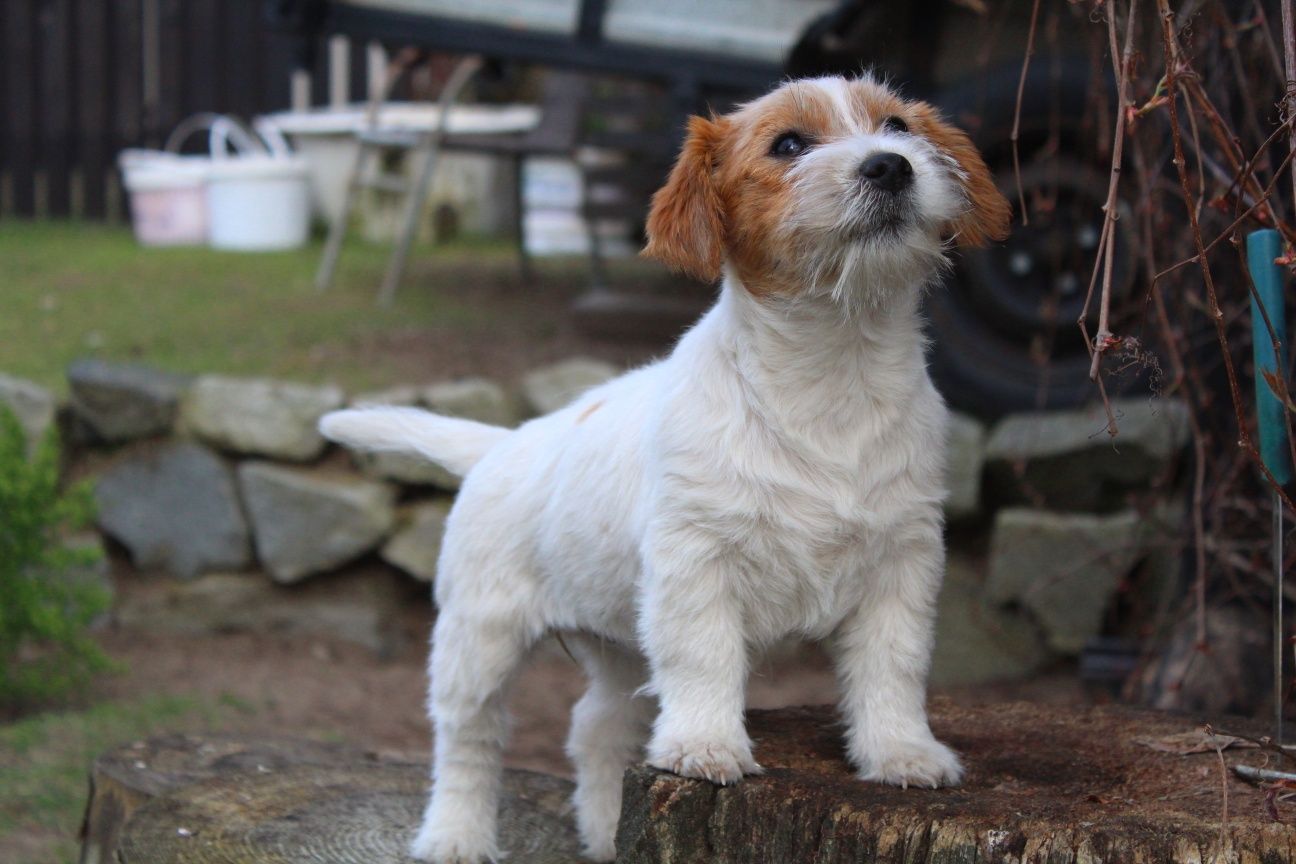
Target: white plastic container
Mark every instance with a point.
(168, 197)
(257, 201)
(553, 190)
(471, 183)
(550, 183)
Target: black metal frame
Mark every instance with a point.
(587, 49)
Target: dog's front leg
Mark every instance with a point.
(691, 630)
(882, 652)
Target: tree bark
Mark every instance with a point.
(188, 800)
(1044, 784)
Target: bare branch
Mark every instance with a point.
(1016, 128)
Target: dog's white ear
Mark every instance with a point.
(988, 213)
(686, 224)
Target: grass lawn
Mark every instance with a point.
(70, 290)
(45, 759)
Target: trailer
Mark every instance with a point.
(991, 319)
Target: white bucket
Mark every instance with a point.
(168, 197)
(256, 201)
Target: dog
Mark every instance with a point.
(778, 474)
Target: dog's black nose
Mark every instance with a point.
(889, 172)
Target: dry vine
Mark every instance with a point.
(1204, 101)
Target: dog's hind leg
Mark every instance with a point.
(609, 727)
(475, 653)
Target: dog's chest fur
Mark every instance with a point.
(805, 526)
(791, 478)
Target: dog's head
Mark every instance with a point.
(828, 186)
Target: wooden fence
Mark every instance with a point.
(82, 79)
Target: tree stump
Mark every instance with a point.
(189, 800)
(1043, 784)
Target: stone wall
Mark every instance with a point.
(225, 485)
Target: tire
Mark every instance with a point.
(1004, 332)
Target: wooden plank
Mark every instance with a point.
(126, 61)
(359, 71)
(170, 107)
(203, 73)
(17, 141)
(319, 73)
(93, 93)
(56, 95)
(240, 58)
(278, 51)
(338, 60)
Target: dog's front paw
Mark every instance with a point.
(923, 762)
(462, 845)
(720, 762)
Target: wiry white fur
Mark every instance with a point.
(452, 442)
(833, 207)
(779, 473)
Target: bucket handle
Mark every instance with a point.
(188, 126)
(224, 132)
(227, 134)
(273, 137)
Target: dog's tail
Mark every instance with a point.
(454, 444)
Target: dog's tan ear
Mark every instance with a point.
(686, 224)
(989, 213)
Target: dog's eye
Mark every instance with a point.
(895, 124)
(787, 145)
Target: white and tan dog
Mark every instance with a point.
(779, 474)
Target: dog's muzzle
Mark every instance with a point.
(890, 173)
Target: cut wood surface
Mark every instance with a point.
(1044, 784)
(192, 800)
(123, 780)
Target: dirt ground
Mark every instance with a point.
(519, 325)
(332, 689)
(328, 688)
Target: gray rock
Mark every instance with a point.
(976, 641)
(121, 402)
(552, 387)
(1066, 460)
(1063, 567)
(33, 405)
(88, 567)
(357, 607)
(407, 469)
(174, 507)
(1231, 674)
(405, 394)
(472, 398)
(308, 522)
(966, 457)
(258, 416)
(1168, 538)
(415, 547)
